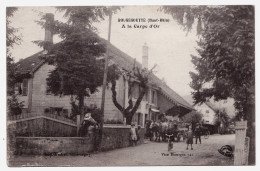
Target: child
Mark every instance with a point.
(133, 136)
(189, 138)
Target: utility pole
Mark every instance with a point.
(104, 82)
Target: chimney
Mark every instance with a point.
(145, 56)
(48, 30)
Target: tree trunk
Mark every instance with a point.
(129, 118)
(81, 106)
(251, 133)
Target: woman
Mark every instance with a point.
(189, 138)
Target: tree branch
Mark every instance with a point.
(114, 93)
(138, 101)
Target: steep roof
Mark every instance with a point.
(127, 62)
(31, 63)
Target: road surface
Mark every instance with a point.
(147, 154)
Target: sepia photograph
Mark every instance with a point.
(151, 85)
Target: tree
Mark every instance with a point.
(226, 62)
(221, 118)
(137, 75)
(78, 71)
(11, 39)
(192, 117)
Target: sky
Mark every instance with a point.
(169, 47)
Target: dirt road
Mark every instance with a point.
(149, 153)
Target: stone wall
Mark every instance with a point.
(113, 137)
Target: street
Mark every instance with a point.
(147, 154)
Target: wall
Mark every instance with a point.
(113, 137)
(206, 116)
(40, 100)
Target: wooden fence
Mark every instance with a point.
(44, 125)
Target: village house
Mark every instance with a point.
(160, 98)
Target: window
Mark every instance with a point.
(153, 97)
(146, 95)
(48, 90)
(25, 87)
(21, 88)
(18, 88)
(135, 90)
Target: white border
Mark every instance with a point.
(5, 3)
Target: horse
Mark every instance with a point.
(156, 129)
(164, 130)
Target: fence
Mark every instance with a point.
(44, 125)
(32, 115)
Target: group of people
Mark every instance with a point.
(161, 128)
(134, 132)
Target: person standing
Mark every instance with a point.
(198, 133)
(133, 135)
(189, 138)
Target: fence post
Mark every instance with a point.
(78, 124)
(240, 151)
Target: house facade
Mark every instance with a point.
(208, 113)
(33, 90)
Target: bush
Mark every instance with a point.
(14, 107)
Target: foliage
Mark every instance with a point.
(14, 107)
(221, 117)
(137, 75)
(78, 70)
(95, 111)
(226, 62)
(226, 51)
(11, 39)
(11, 33)
(192, 117)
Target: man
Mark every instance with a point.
(87, 121)
(197, 133)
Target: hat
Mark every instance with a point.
(87, 116)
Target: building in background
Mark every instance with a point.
(160, 98)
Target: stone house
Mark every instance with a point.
(38, 99)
